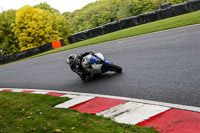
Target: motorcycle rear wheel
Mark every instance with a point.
(115, 68)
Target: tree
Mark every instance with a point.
(143, 6)
(126, 9)
(46, 7)
(106, 11)
(8, 41)
(101, 19)
(66, 14)
(33, 27)
(77, 21)
(60, 23)
(177, 1)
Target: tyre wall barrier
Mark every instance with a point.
(165, 5)
(180, 9)
(31, 52)
(194, 5)
(80, 36)
(165, 13)
(167, 10)
(96, 32)
(130, 22)
(112, 27)
(149, 17)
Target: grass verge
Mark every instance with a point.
(24, 113)
(169, 23)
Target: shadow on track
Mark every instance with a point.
(101, 77)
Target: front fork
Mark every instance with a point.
(105, 67)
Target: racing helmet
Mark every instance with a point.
(72, 58)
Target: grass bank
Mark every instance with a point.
(169, 23)
(24, 113)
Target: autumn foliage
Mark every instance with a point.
(33, 27)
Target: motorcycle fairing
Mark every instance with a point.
(93, 60)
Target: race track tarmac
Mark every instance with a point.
(162, 66)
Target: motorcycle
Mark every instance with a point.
(96, 64)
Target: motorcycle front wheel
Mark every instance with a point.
(115, 68)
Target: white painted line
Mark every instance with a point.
(74, 101)
(133, 113)
(139, 114)
(69, 95)
(120, 42)
(120, 109)
(17, 90)
(40, 92)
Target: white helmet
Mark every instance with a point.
(71, 59)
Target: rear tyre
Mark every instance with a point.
(115, 68)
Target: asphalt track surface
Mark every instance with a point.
(162, 66)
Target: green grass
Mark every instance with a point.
(25, 113)
(169, 23)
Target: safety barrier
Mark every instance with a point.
(31, 52)
(167, 10)
(130, 22)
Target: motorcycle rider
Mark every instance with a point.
(75, 64)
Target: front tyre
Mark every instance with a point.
(115, 68)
